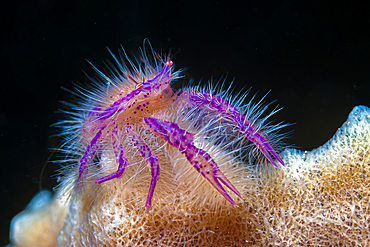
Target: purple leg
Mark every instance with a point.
(121, 159)
(199, 158)
(230, 112)
(151, 160)
(89, 155)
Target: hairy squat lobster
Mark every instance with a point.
(136, 94)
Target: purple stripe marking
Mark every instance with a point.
(121, 159)
(150, 158)
(89, 155)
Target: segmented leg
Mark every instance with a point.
(199, 158)
(121, 159)
(150, 158)
(89, 155)
(230, 112)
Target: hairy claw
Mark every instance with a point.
(199, 158)
(221, 106)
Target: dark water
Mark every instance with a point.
(314, 57)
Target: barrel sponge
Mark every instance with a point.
(321, 198)
(324, 195)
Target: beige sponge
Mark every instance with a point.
(322, 198)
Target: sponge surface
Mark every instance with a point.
(320, 199)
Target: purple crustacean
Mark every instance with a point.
(131, 98)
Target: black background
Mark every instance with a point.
(313, 56)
